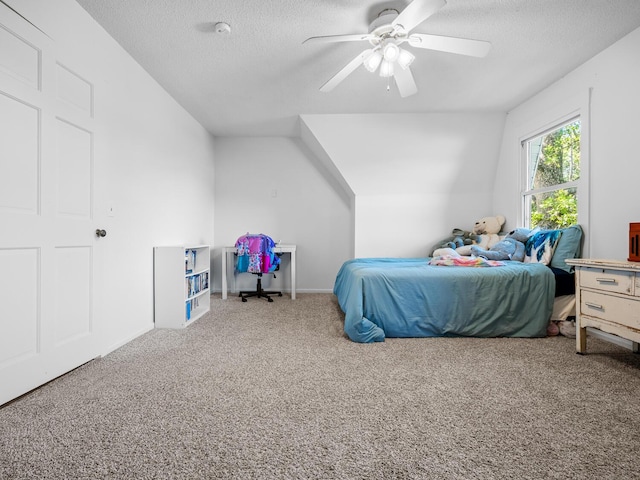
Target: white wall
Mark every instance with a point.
(153, 162)
(274, 185)
(415, 177)
(612, 112)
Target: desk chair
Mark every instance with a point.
(255, 255)
(259, 292)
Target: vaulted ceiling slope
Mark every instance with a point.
(260, 77)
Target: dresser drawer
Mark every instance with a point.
(607, 280)
(623, 311)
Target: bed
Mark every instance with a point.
(408, 297)
(393, 297)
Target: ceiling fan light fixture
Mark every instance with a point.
(372, 62)
(390, 30)
(405, 58)
(386, 69)
(390, 52)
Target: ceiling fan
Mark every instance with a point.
(392, 29)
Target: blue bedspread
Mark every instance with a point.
(407, 297)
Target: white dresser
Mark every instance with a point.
(607, 298)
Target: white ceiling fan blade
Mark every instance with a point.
(417, 12)
(344, 73)
(463, 46)
(404, 81)
(339, 38)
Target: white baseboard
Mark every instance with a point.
(609, 337)
(285, 290)
(313, 290)
(124, 341)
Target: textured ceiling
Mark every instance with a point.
(258, 79)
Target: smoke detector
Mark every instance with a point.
(222, 28)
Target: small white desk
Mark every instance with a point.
(290, 249)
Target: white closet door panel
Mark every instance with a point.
(74, 279)
(19, 293)
(48, 248)
(19, 156)
(19, 59)
(75, 170)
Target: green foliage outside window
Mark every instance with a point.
(557, 209)
(554, 160)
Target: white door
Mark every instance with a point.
(47, 227)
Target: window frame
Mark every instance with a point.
(525, 191)
(550, 108)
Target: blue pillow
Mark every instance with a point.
(540, 246)
(568, 247)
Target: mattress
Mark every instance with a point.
(394, 297)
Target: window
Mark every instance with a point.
(550, 196)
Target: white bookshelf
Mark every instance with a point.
(181, 280)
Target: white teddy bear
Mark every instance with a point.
(486, 229)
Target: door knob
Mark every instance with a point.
(101, 233)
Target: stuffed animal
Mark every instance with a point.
(487, 230)
(463, 237)
(458, 238)
(511, 247)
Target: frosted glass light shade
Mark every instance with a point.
(405, 58)
(372, 61)
(390, 52)
(386, 69)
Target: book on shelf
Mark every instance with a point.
(197, 283)
(190, 260)
(192, 305)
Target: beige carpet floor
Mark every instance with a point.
(263, 390)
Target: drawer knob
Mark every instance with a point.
(594, 305)
(606, 280)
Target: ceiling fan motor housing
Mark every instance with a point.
(384, 18)
(383, 30)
